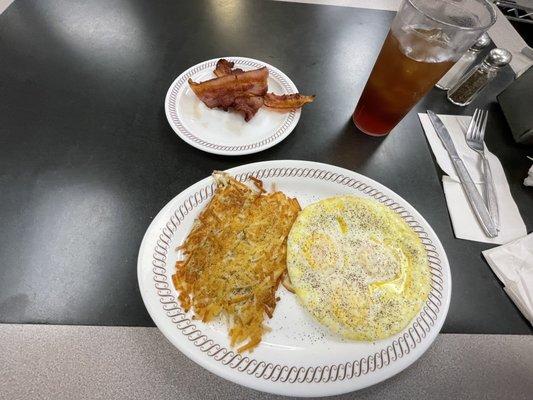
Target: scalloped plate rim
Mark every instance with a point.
(304, 389)
(213, 148)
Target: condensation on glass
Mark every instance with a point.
(425, 39)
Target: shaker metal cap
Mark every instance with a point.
(498, 58)
(482, 42)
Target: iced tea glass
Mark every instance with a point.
(425, 39)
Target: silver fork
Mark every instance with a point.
(474, 139)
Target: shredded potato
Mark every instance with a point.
(235, 258)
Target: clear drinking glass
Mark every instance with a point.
(425, 39)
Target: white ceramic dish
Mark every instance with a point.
(220, 132)
(299, 357)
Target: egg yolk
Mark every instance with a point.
(320, 251)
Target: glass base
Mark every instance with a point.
(366, 132)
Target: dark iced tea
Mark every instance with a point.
(403, 73)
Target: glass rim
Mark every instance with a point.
(464, 28)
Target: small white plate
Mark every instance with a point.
(298, 357)
(220, 132)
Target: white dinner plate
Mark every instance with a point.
(298, 357)
(220, 132)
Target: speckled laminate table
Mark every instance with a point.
(77, 362)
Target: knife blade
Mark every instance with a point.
(472, 194)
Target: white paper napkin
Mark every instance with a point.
(529, 178)
(513, 265)
(465, 223)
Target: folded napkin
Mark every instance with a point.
(513, 265)
(465, 223)
(529, 178)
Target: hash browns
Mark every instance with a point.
(235, 258)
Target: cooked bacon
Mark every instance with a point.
(225, 67)
(222, 92)
(287, 101)
(243, 91)
(248, 106)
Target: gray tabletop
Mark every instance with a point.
(77, 362)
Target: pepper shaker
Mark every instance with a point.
(470, 85)
(461, 66)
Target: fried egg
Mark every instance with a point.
(357, 267)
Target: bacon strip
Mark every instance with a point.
(243, 91)
(248, 106)
(225, 67)
(222, 92)
(287, 101)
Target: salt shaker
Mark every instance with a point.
(470, 85)
(461, 66)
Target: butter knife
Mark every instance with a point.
(472, 194)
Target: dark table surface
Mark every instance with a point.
(87, 158)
